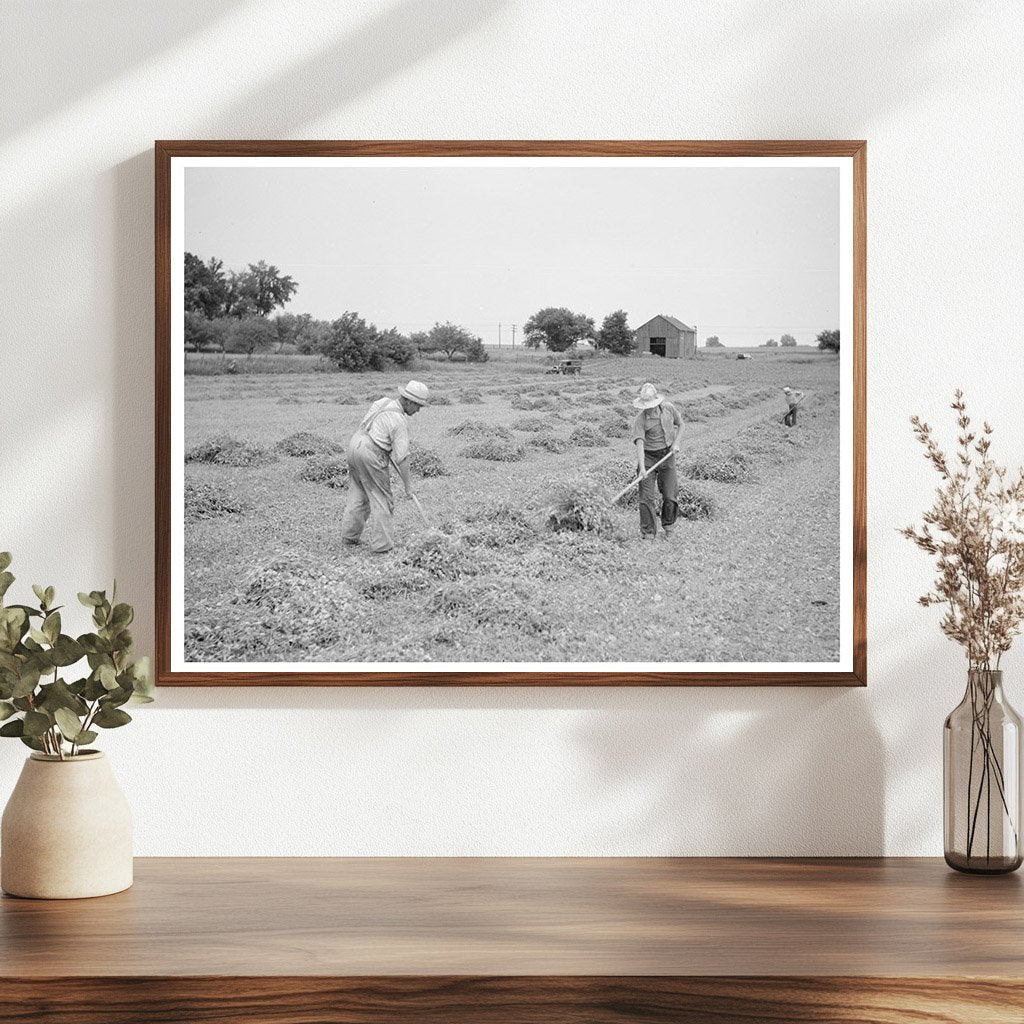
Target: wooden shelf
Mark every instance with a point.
(573, 941)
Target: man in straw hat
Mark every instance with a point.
(656, 434)
(793, 398)
(382, 439)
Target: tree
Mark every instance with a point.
(268, 288)
(250, 334)
(558, 328)
(787, 341)
(450, 339)
(771, 343)
(615, 335)
(476, 352)
(202, 334)
(396, 348)
(351, 342)
(713, 342)
(205, 286)
(828, 341)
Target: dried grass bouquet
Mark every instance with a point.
(976, 531)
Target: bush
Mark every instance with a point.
(304, 443)
(586, 436)
(205, 500)
(325, 469)
(425, 462)
(224, 450)
(495, 449)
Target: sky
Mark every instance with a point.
(744, 253)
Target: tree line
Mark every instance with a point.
(828, 341)
(230, 311)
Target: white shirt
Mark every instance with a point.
(388, 427)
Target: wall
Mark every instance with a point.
(934, 86)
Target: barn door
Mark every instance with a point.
(657, 346)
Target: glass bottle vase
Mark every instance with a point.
(981, 772)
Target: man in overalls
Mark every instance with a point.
(382, 438)
(655, 434)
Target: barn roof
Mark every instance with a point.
(677, 324)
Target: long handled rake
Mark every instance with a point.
(416, 501)
(645, 473)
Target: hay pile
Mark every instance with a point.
(439, 398)
(426, 462)
(586, 436)
(440, 557)
(469, 396)
(726, 466)
(612, 424)
(479, 428)
(491, 602)
(581, 508)
(205, 500)
(495, 525)
(346, 398)
(494, 449)
(304, 443)
(694, 504)
(224, 450)
(328, 470)
(529, 424)
(549, 443)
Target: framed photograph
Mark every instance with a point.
(510, 413)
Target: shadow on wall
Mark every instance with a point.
(739, 772)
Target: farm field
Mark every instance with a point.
(753, 578)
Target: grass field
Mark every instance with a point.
(268, 579)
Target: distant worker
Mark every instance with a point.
(656, 435)
(382, 439)
(794, 398)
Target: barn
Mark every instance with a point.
(666, 336)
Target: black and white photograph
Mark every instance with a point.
(511, 414)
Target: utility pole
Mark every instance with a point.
(513, 335)
(499, 335)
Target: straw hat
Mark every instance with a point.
(648, 398)
(416, 392)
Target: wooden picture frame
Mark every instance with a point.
(848, 157)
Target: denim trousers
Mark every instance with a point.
(663, 479)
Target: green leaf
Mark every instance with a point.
(38, 635)
(122, 616)
(89, 600)
(12, 623)
(22, 703)
(115, 698)
(27, 681)
(107, 718)
(69, 723)
(94, 689)
(94, 644)
(107, 676)
(31, 741)
(36, 723)
(59, 695)
(51, 626)
(5, 559)
(6, 710)
(67, 651)
(50, 595)
(9, 662)
(40, 592)
(142, 682)
(86, 736)
(14, 728)
(6, 579)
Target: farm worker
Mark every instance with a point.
(382, 439)
(794, 398)
(655, 435)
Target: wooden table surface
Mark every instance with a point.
(503, 939)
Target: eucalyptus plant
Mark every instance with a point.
(46, 712)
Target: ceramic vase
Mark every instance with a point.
(66, 831)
